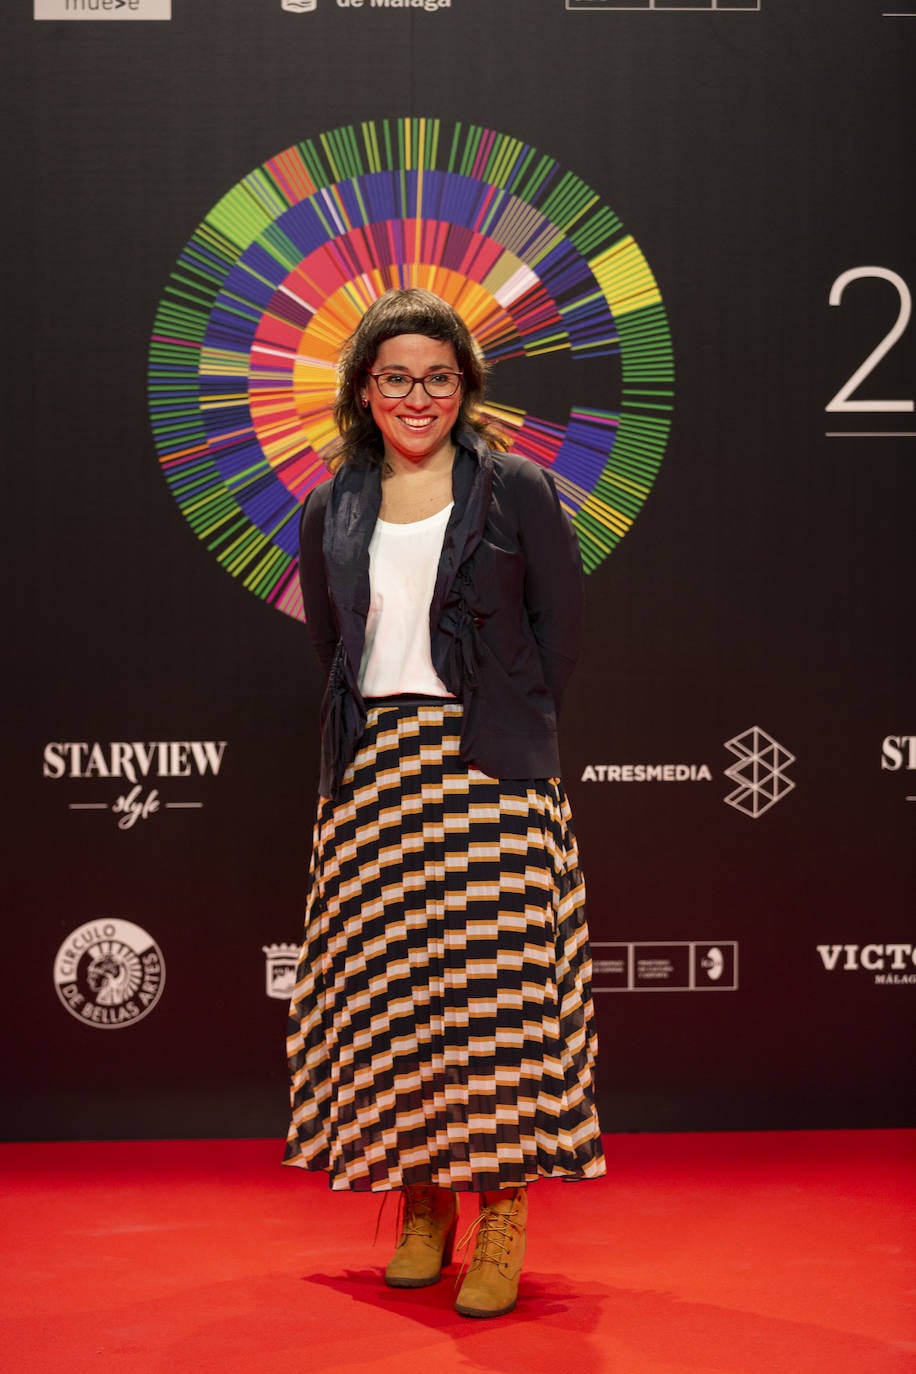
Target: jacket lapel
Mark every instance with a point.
(472, 479)
(353, 507)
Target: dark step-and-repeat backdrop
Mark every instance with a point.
(684, 236)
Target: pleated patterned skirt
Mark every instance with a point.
(441, 1028)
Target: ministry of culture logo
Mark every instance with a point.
(665, 966)
(281, 962)
(242, 369)
(109, 973)
(299, 6)
(760, 772)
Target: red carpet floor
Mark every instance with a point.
(699, 1254)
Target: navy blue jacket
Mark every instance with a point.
(505, 617)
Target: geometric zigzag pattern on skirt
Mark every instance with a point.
(441, 1028)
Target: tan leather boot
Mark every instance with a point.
(427, 1237)
(490, 1287)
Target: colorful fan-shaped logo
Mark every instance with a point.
(244, 348)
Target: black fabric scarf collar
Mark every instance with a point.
(353, 506)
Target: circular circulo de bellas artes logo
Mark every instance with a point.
(242, 361)
(109, 973)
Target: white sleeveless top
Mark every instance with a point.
(403, 560)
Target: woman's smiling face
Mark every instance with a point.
(417, 428)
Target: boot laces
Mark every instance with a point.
(493, 1239)
(418, 1211)
(414, 1216)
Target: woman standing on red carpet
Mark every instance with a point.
(441, 1029)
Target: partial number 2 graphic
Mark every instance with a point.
(845, 401)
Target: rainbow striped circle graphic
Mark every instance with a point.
(242, 360)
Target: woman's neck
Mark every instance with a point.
(413, 491)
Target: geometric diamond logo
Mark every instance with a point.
(760, 772)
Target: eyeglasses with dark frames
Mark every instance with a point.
(396, 386)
